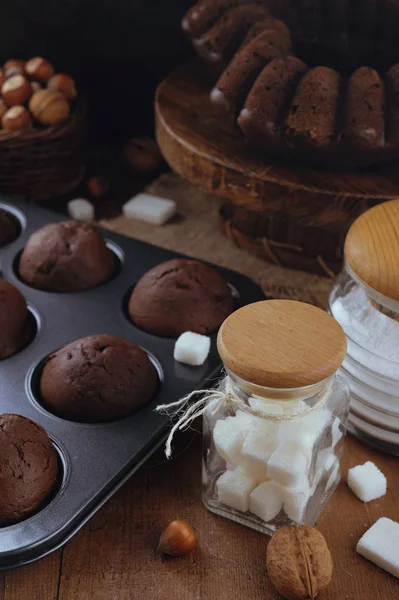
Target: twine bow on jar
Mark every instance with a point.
(224, 397)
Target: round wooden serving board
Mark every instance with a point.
(302, 214)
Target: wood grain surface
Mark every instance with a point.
(114, 557)
(372, 248)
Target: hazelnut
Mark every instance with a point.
(2, 77)
(16, 90)
(10, 71)
(16, 118)
(177, 539)
(14, 62)
(64, 84)
(299, 562)
(98, 186)
(39, 69)
(49, 107)
(35, 85)
(3, 107)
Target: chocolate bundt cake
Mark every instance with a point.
(316, 81)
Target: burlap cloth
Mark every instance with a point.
(195, 231)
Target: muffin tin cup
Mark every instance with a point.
(96, 458)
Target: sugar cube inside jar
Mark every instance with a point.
(273, 436)
(365, 301)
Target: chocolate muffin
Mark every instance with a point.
(180, 295)
(28, 468)
(15, 327)
(8, 228)
(66, 257)
(97, 379)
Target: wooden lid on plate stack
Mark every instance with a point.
(372, 254)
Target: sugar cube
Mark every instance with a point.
(150, 209)
(266, 501)
(337, 431)
(304, 431)
(228, 437)
(256, 451)
(258, 475)
(234, 488)
(252, 423)
(295, 500)
(367, 482)
(380, 545)
(81, 210)
(287, 465)
(265, 407)
(192, 348)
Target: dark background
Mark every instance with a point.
(118, 50)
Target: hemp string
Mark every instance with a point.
(224, 397)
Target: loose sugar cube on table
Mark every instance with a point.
(287, 465)
(81, 210)
(150, 209)
(380, 544)
(234, 488)
(192, 349)
(266, 501)
(256, 451)
(367, 482)
(228, 437)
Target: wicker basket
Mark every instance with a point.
(44, 163)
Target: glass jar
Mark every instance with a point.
(365, 301)
(271, 453)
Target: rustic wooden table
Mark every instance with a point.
(114, 556)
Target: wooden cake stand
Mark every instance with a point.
(294, 216)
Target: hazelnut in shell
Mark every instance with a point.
(3, 107)
(299, 562)
(14, 63)
(13, 71)
(49, 107)
(16, 90)
(63, 83)
(39, 69)
(16, 118)
(2, 77)
(35, 85)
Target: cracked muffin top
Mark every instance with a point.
(8, 228)
(180, 295)
(28, 468)
(66, 257)
(96, 379)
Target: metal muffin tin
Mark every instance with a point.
(96, 459)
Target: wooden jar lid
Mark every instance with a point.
(372, 248)
(281, 344)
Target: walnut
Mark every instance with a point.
(299, 562)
